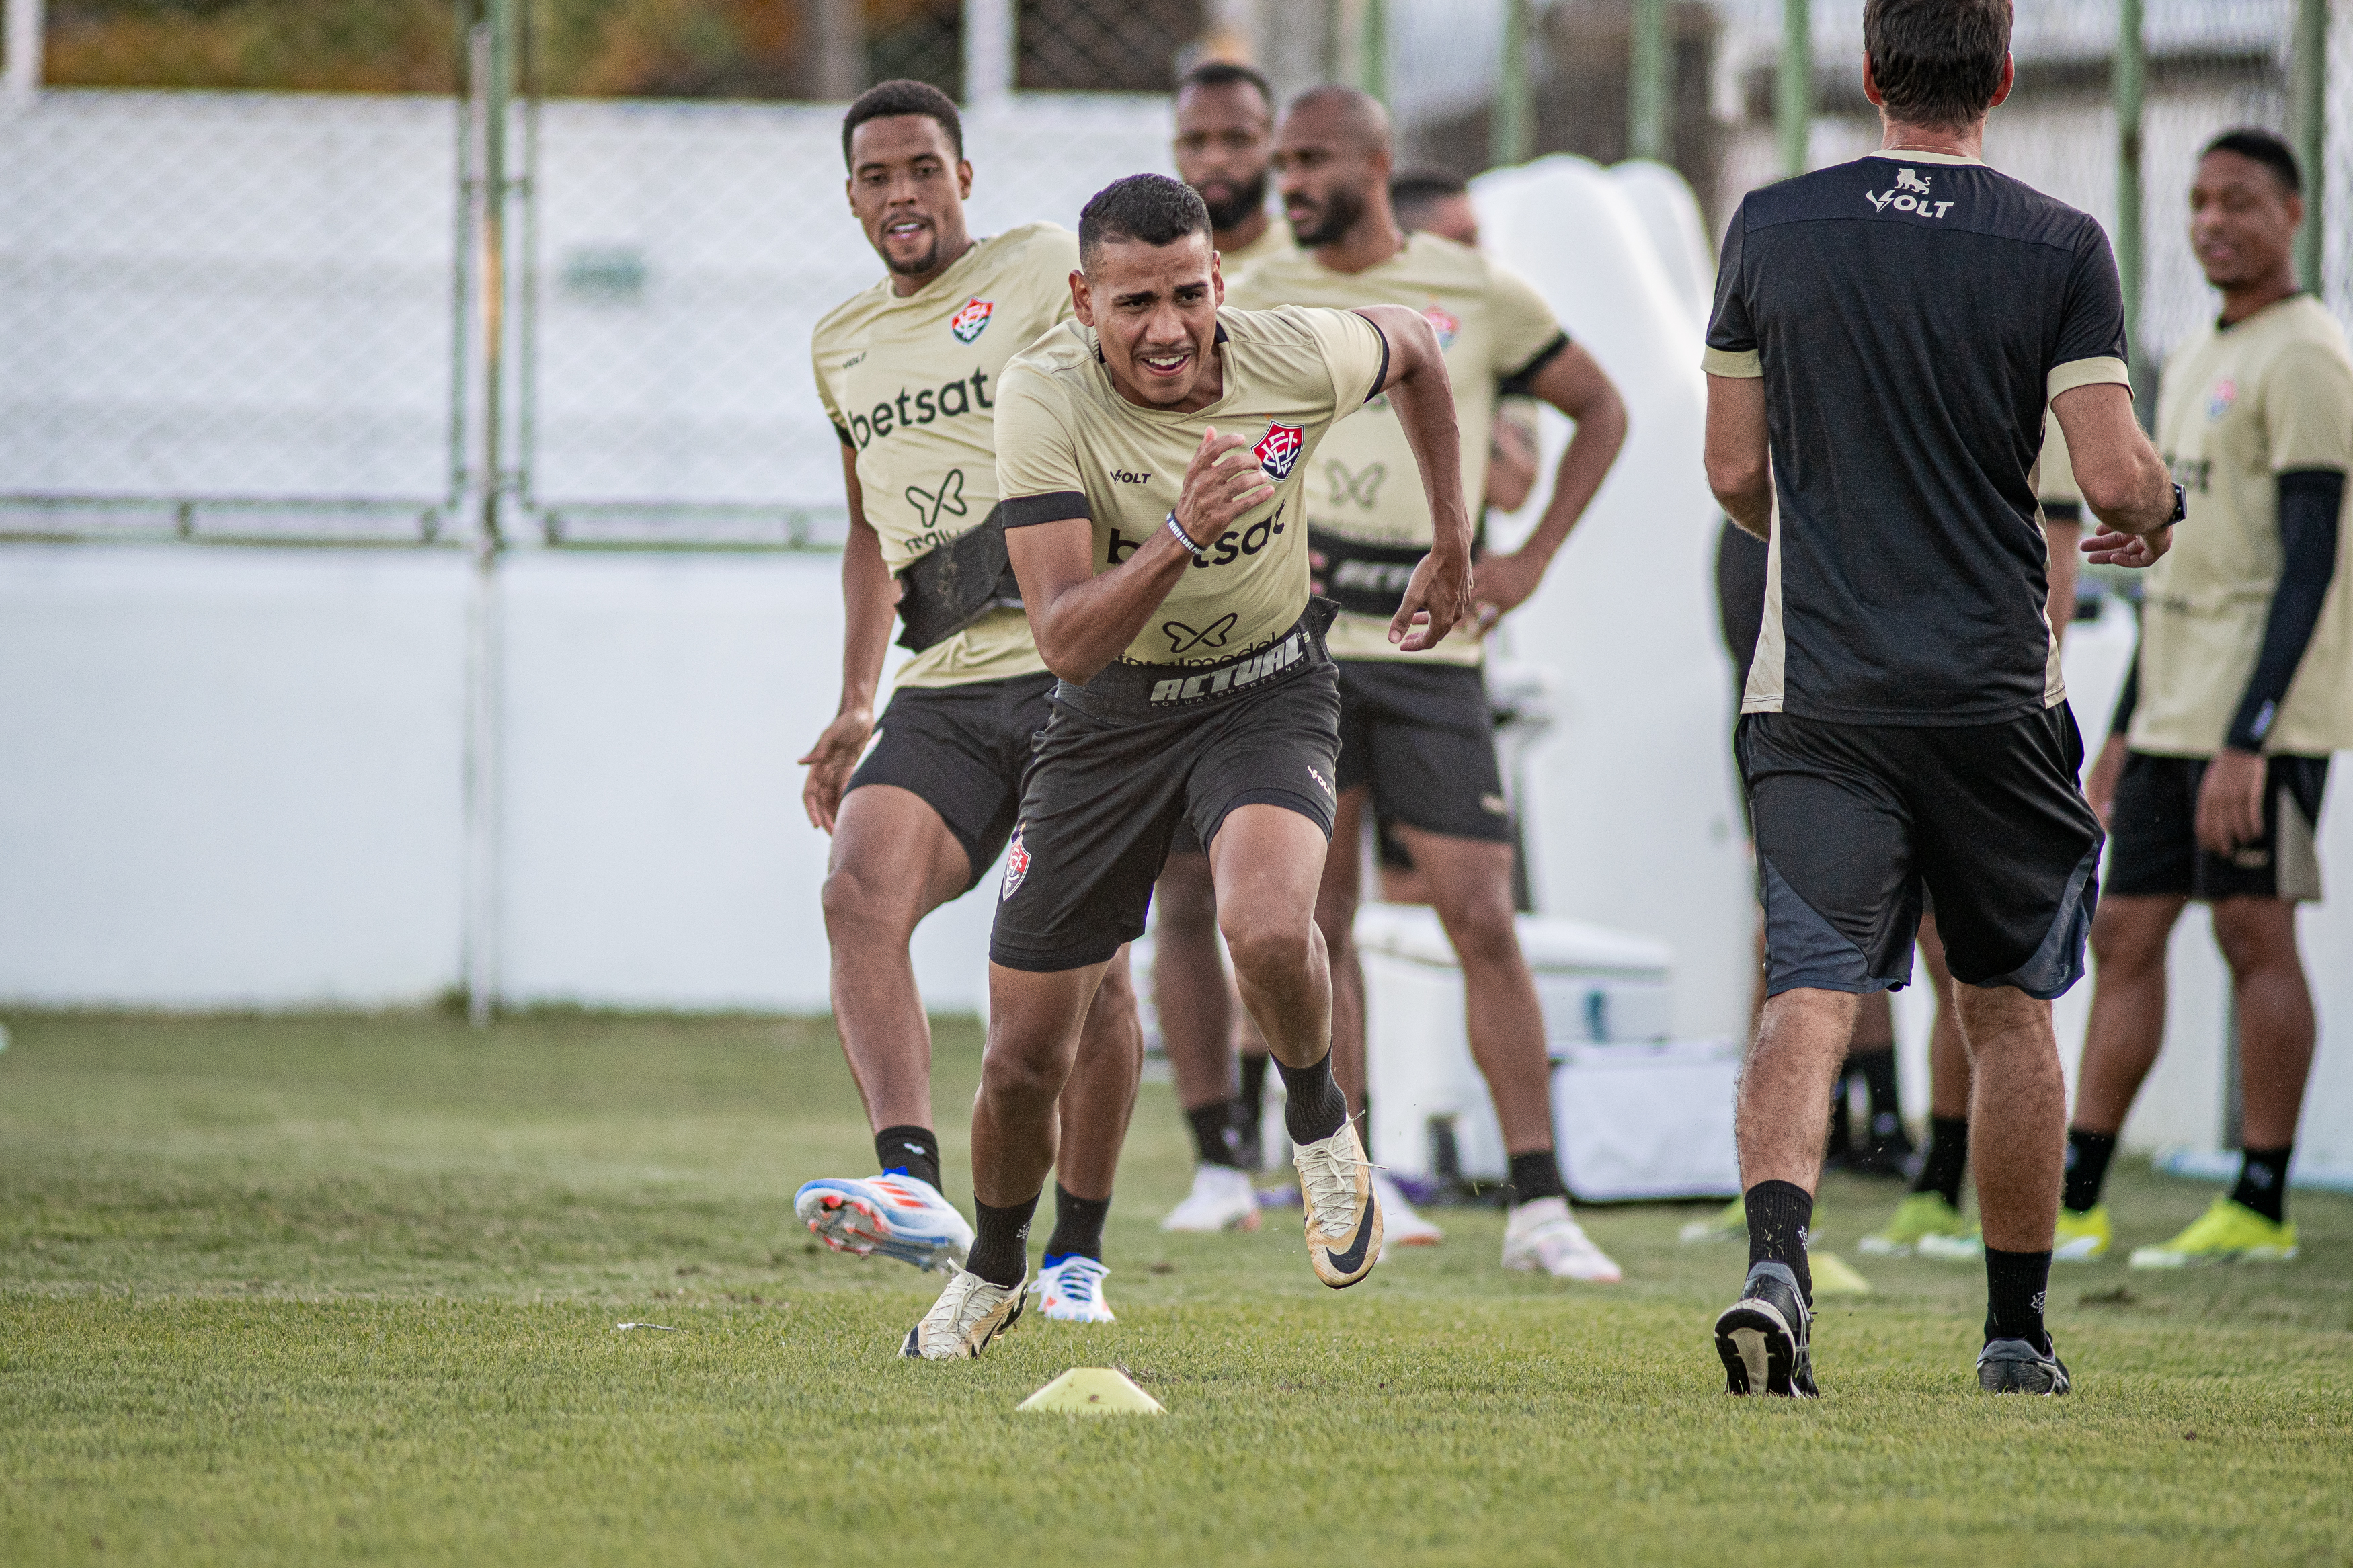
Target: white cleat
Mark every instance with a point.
(969, 1313)
(1070, 1291)
(898, 1216)
(1542, 1237)
(1344, 1213)
(1401, 1226)
(1222, 1199)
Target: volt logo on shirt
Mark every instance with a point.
(1909, 193)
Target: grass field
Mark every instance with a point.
(328, 1290)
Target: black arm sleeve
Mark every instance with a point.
(2310, 500)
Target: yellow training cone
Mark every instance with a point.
(1833, 1275)
(1092, 1391)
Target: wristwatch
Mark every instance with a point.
(2181, 506)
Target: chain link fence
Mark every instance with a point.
(234, 314)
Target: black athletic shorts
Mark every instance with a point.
(1853, 819)
(963, 749)
(1132, 755)
(2154, 842)
(1423, 737)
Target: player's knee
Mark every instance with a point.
(1268, 949)
(2252, 935)
(1032, 1073)
(2125, 948)
(859, 906)
(1484, 934)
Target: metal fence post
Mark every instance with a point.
(22, 78)
(2310, 109)
(1511, 133)
(2128, 83)
(1647, 77)
(990, 51)
(1793, 98)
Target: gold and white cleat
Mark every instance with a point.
(969, 1313)
(1344, 1217)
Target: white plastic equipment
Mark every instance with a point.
(1647, 1121)
(1429, 1107)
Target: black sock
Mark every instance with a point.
(1213, 1132)
(1253, 1084)
(914, 1150)
(1877, 1070)
(1536, 1175)
(2016, 1283)
(1947, 1159)
(1313, 1108)
(1778, 1212)
(1000, 1241)
(2088, 1154)
(2263, 1181)
(1078, 1225)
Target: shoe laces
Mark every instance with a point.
(1079, 1277)
(959, 1306)
(1328, 1178)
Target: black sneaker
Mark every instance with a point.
(1765, 1338)
(2015, 1366)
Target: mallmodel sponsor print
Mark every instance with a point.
(1278, 450)
(969, 322)
(1909, 193)
(947, 499)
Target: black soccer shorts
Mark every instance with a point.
(1423, 737)
(964, 750)
(1853, 819)
(2153, 834)
(1116, 772)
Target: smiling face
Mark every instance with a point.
(1154, 310)
(1225, 133)
(1329, 170)
(2242, 220)
(907, 188)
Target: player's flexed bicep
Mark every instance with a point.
(1415, 377)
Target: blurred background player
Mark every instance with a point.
(2211, 777)
(907, 372)
(1904, 722)
(1225, 136)
(1417, 735)
(1162, 559)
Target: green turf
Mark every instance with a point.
(304, 1289)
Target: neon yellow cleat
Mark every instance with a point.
(2225, 1233)
(2082, 1236)
(1730, 1223)
(1919, 1217)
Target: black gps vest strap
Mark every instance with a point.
(1365, 579)
(956, 583)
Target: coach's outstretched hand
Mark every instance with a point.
(831, 761)
(2113, 547)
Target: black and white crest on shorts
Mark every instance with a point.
(1017, 864)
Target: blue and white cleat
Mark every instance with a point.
(1070, 1290)
(896, 1215)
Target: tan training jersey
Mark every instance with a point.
(913, 385)
(1276, 241)
(1068, 444)
(2239, 406)
(1491, 325)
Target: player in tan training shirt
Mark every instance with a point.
(1417, 736)
(910, 372)
(1152, 456)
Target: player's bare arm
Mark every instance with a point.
(1738, 452)
(1438, 597)
(869, 600)
(1080, 620)
(1572, 383)
(2123, 480)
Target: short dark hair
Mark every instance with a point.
(1422, 184)
(888, 100)
(1151, 209)
(1937, 62)
(1226, 73)
(2265, 147)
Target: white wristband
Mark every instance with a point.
(1198, 551)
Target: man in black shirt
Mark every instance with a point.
(1885, 335)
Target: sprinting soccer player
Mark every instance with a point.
(910, 372)
(1152, 456)
(1885, 335)
(2211, 777)
(1417, 735)
(1225, 135)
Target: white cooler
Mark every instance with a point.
(1650, 1121)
